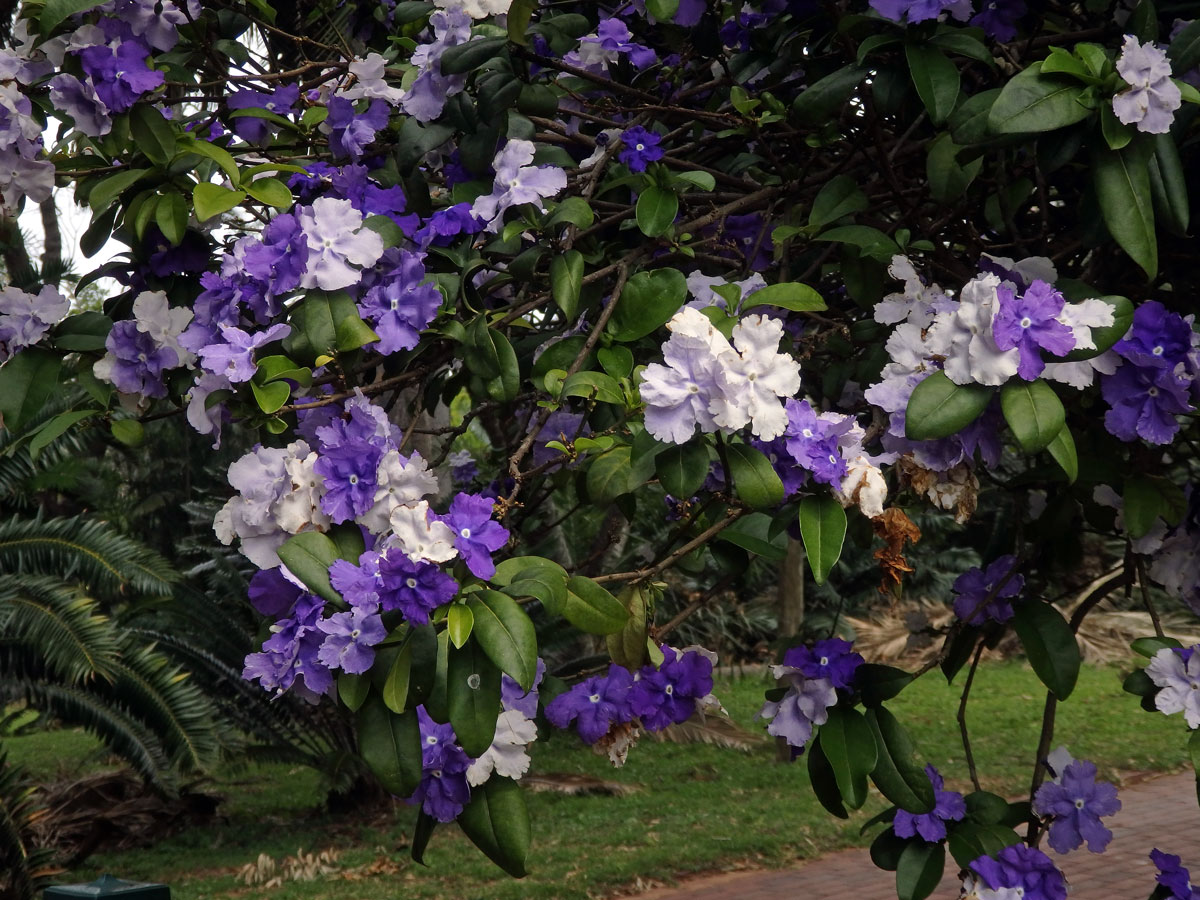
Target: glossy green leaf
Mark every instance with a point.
(460, 621)
(919, 870)
(593, 385)
(54, 12)
(870, 241)
(879, 683)
(1168, 187)
(506, 635)
(656, 210)
(1033, 412)
(308, 556)
(279, 368)
(617, 361)
(787, 295)
(171, 216)
(82, 331)
(519, 14)
(1148, 646)
(104, 194)
(505, 386)
(566, 281)
(591, 608)
(353, 690)
(27, 381)
(896, 773)
(497, 822)
(826, 97)
(399, 675)
(129, 432)
(627, 647)
(472, 697)
(939, 408)
(754, 533)
(850, 748)
(612, 474)
(1032, 102)
(1122, 182)
(219, 155)
(572, 211)
(390, 745)
(985, 808)
(464, 58)
(152, 134)
(823, 780)
(1143, 504)
(823, 528)
(56, 428)
(647, 302)
(754, 478)
(1184, 51)
(213, 199)
(270, 191)
(271, 397)
(936, 79)
(971, 840)
(1050, 646)
(682, 468)
(422, 832)
(1062, 449)
(837, 198)
(948, 178)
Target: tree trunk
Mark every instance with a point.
(790, 605)
(52, 247)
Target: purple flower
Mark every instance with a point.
(517, 181)
(612, 39)
(1028, 323)
(256, 130)
(1152, 97)
(948, 806)
(444, 790)
(289, 657)
(514, 697)
(1076, 802)
(751, 238)
(667, 695)
(135, 361)
(1173, 876)
(805, 703)
(234, 358)
(975, 586)
(639, 148)
(1144, 401)
(25, 318)
(914, 11)
(272, 594)
(350, 639)
(998, 18)
(813, 443)
(349, 460)
(1158, 337)
(463, 467)
(351, 132)
(446, 224)
(414, 588)
(279, 259)
(594, 705)
(476, 535)
(1024, 868)
(401, 304)
(79, 100)
(832, 659)
(120, 77)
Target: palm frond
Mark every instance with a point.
(24, 867)
(85, 550)
(61, 624)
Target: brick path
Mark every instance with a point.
(1161, 812)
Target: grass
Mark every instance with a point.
(699, 808)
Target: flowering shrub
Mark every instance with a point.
(770, 268)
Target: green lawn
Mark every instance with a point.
(698, 807)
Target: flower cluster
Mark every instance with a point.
(651, 698)
(814, 676)
(142, 349)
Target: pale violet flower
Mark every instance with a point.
(678, 394)
(476, 9)
(517, 181)
(1179, 684)
(369, 81)
(1177, 567)
(420, 537)
(806, 703)
(162, 322)
(25, 318)
(964, 337)
(336, 239)
(397, 483)
(701, 287)
(915, 304)
(1148, 543)
(1152, 97)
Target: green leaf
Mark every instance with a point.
(472, 697)
(682, 468)
(399, 675)
(935, 78)
(850, 748)
(887, 847)
(271, 397)
(871, 241)
(353, 690)
(1050, 646)
(1143, 503)
(497, 822)
(519, 14)
(506, 635)
(27, 381)
(753, 533)
(753, 476)
(823, 779)
(270, 191)
(700, 180)
(573, 211)
(647, 302)
(1033, 412)
(55, 11)
(324, 322)
(1105, 336)
(390, 745)
(1148, 646)
(612, 474)
(467, 57)
(278, 368)
(152, 134)
(219, 155)
(1116, 134)
(985, 808)
(505, 386)
(1122, 182)
(896, 773)
(656, 210)
(1062, 449)
(593, 385)
(919, 870)
(837, 198)
(104, 194)
(1032, 102)
(1184, 51)
(129, 432)
(616, 361)
(939, 408)
(969, 122)
(1194, 756)
(1168, 185)
(949, 179)
(787, 295)
(422, 831)
(82, 331)
(566, 281)
(879, 683)
(56, 428)
(212, 199)
(308, 556)
(627, 647)
(591, 608)
(823, 528)
(171, 216)
(460, 621)
(1139, 684)
(826, 97)
(483, 358)
(969, 841)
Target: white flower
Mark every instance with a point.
(754, 381)
(507, 756)
(915, 303)
(1179, 684)
(299, 508)
(369, 81)
(477, 9)
(863, 485)
(964, 337)
(419, 538)
(155, 317)
(336, 238)
(397, 483)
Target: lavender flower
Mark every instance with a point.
(401, 304)
(611, 40)
(806, 703)
(813, 443)
(1024, 871)
(234, 357)
(949, 806)
(120, 77)
(79, 100)
(444, 790)
(517, 181)
(25, 318)
(349, 131)
(1179, 684)
(974, 586)
(1030, 324)
(426, 96)
(1075, 803)
(832, 659)
(1152, 97)
(1173, 876)
(678, 394)
(639, 148)
(336, 239)
(350, 639)
(288, 660)
(256, 130)
(477, 535)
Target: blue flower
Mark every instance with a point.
(1075, 803)
(639, 148)
(949, 806)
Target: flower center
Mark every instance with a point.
(431, 740)
(410, 583)
(807, 432)
(824, 660)
(669, 690)
(1079, 804)
(640, 146)
(693, 389)
(465, 533)
(594, 698)
(1158, 350)
(1026, 322)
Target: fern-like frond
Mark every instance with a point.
(61, 624)
(25, 868)
(84, 550)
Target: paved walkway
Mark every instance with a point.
(1161, 812)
